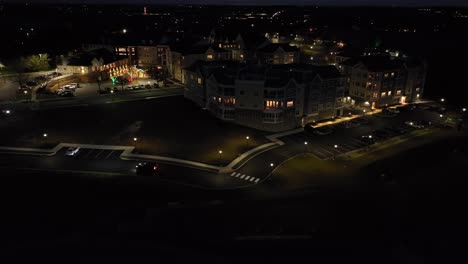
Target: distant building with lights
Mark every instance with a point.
(266, 97)
(378, 81)
(93, 64)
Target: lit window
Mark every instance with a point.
(272, 104)
(398, 92)
(392, 74)
(417, 89)
(220, 45)
(389, 93)
(386, 75)
(199, 81)
(219, 100)
(290, 104)
(242, 56)
(382, 94)
(209, 56)
(374, 95)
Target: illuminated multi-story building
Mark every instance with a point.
(378, 81)
(266, 97)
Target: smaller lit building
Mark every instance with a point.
(95, 63)
(278, 53)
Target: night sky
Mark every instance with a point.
(268, 2)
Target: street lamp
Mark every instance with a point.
(305, 146)
(464, 109)
(220, 155)
(247, 141)
(271, 164)
(135, 141)
(441, 115)
(7, 112)
(124, 30)
(44, 135)
(442, 100)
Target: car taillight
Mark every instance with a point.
(155, 167)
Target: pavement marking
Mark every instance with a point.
(247, 178)
(234, 173)
(238, 174)
(98, 154)
(242, 177)
(252, 179)
(257, 180)
(109, 154)
(89, 152)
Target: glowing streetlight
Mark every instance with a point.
(305, 143)
(464, 109)
(44, 135)
(124, 31)
(135, 139)
(112, 91)
(336, 146)
(25, 92)
(7, 112)
(442, 99)
(220, 154)
(271, 164)
(441, 115)
(247, 137)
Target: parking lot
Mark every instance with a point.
(345, 137)
(94, 154)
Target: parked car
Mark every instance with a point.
(351, 124)
(147, 169)
(368, 139)
(323, 131)
(72, 151)
(141, 86)
(382, 134)
(414, 124)
(148, 86)
(76, 85)
(66, 93)
(406, 108)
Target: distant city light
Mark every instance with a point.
(135, 139)
(247, 137)
(336, 146)
(220, 152)
(464, 109)
(271, 164)
(124, 30)
(442, 99)
(44, 135)
(305, 143)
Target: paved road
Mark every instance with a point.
(254, 171)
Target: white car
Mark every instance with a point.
(72, 151)
(414, 124)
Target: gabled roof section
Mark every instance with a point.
(86, 58)
(272, 47)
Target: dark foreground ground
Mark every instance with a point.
(416, 215)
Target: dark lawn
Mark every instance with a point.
(169, 126)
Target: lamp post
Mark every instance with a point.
(220, 152)
(44, 137)
(135, 141)
(247, 141)
(272, 165)
(335, 147)
(305, 146)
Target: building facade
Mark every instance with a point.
(379, 81)
(266, 97)
(99, 63)
(278, 54)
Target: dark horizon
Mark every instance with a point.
(335, 3)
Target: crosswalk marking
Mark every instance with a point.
(234, 173)
(252, 179)
(247, 178)
(242, 177)
(238, 174)
(257, 180)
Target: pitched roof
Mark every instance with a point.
(272, 47)
(376, 63)
(86, 58)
